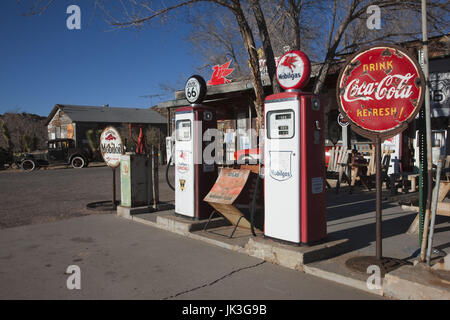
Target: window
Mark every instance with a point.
(280, 124)
(183, 130)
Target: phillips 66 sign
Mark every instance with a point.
(380, 90)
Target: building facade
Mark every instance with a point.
(84, 124)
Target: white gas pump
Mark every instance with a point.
(184, 164)
(294, 164)
(193, 177)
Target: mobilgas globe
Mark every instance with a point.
(293, 70)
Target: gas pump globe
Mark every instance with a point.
(193, 176)
(294, 160)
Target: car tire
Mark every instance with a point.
(77, 162)
(28, 165)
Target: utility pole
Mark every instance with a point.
(428, 128)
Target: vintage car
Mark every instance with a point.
(59, 151)
(6, 158)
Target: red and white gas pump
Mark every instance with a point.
(294, 183)
(193, 176)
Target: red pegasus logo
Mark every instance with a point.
(219, 74)
(289, 62)
(110, 137)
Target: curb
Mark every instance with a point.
(338, 278)
(404, 283)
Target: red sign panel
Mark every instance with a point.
(380, 90)
(219, 74)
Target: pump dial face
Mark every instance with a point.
(195, 89)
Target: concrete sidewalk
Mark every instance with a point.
(351, 233)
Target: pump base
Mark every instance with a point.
(298, 244)
(291, 243)
(179, 215)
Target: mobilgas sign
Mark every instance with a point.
(111, 146)
(380, 90)
(293, 70)
(280, 165)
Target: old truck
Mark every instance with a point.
(59, 151)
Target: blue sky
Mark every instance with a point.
(43, 63)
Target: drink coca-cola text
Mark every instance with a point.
(392, 86)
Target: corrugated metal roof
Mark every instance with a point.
(108, 114)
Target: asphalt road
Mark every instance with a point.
(122, 259)
(46, 228)
(51, 195)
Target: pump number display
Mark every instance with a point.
(183, 130)
(280, 124)
(195, 89)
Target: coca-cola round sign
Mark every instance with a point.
(293, 70)
(380, 90)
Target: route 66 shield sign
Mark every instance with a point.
(280, 165)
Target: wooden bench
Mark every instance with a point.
(367, 176)
(337, 166)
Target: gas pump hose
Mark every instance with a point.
(252, 211)
(167, 172)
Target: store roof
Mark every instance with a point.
(108, 114)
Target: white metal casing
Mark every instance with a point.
(281, 171)
(184, 164)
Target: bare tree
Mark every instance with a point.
(216, 39)
(266, 44)
(135, 13)
(36, 7)
(348, 21)
(325, 29)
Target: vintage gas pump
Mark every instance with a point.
(294, 157)
(193, 176)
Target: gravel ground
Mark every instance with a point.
(51, 195)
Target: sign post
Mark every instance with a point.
(379, 91)
(111, 147)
